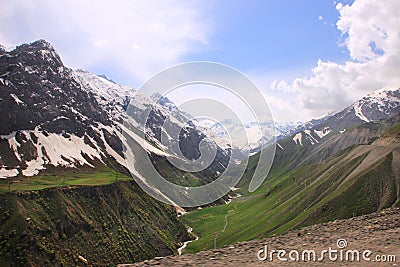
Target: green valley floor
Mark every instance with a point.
(378, 232)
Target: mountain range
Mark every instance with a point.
(63, 118)
(340, 166)
(378, 105)
(65, 183)
(61, 135)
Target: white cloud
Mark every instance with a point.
(371, 33)
(138, 38)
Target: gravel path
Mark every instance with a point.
(377, 232)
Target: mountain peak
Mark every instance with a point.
(43, 44)
(378, 104)
(37, 51)
(383, 90)
(40, 44)
(385, 93)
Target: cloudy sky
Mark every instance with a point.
(309, 57)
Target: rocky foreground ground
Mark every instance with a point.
(375, 238)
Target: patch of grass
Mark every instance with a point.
(289, 199)
(97, 176)
(393, 129)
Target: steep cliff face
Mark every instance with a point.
(104, 225)
(38, 90)
(47, 119)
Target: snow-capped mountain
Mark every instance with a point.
(301, 126)
(56, 117)
(378, 105)
(115, 98)
(53, 116)
(254, 141)
(47, 119)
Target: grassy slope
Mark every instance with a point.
(87, 176)
(106, 227)
(106, 224)
(97, 213)
(303, 196)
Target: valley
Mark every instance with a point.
(360, 179)
(377, 232)
(69, 197)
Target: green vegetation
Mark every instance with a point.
(347, 185)
(392, 129)
(105, 217)
(88, 176)
(178, 176)
(105, 224)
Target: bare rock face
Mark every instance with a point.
(45, 114)
(37, 90)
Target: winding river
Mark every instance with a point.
(180, 249)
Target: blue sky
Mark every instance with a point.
(309, 57)
(274, 36)
(284, 38)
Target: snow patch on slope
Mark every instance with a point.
(312, 139)
(322, 133)
(279, 146)
(66, 152)
(297, 138)
(4, 173)
(148, 147)
(383, 100)
(109, 149)
(16, 99)
(53, 149)
(358, 112)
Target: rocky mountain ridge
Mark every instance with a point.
(64, 118)
(376, 106)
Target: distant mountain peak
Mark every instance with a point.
(377, 104)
